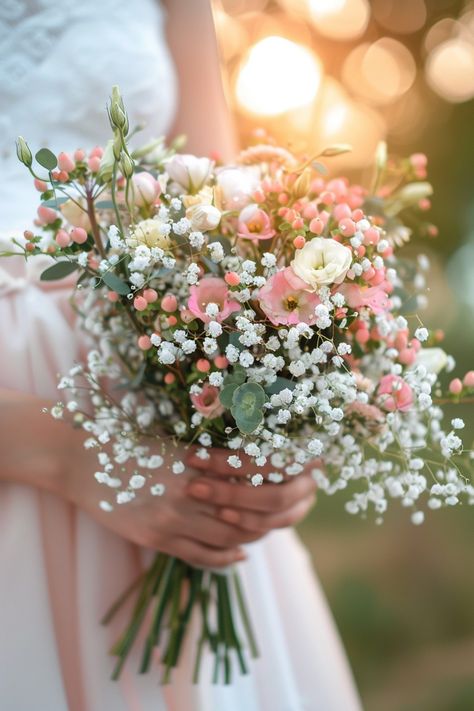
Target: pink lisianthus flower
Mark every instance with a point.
(207, 403)
(284, 299)
(395, 394)
(373, 297)
(212, 290)
(254, 223)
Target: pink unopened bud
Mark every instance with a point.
(78, 235)
(455, 386)
(94, 164)
(172, 320)
(96, 152)
(79, 155)
(232, 278)
(316, 226)
(150, 295)
(169, 303)
(144, 343)
(468, 379)
(299, 242)
(40, 185)
(169, 378)
(187, 316)
(203, 365)
(65, 162)
(140, 303)
(47, 215)
(310, 211)
(62, 239)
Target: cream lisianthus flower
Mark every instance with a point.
(322, 262)
(190, 172)
(434, 359)
(151, 233)
(76, 213)
(201, 211)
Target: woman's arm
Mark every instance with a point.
(203, 114)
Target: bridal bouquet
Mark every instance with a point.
(258, 307)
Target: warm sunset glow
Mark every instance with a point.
(277, 76)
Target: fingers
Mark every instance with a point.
(217, 463)
(209, 530)
(202, 556)
(267, 498)
(260, 523)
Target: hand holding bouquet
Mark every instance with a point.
(257, 308)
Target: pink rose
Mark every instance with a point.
(212, 290)
(207, 403)
(284, 299)
(373, 297)
(254, 223)
(395, 394)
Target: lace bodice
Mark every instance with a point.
(58, 62)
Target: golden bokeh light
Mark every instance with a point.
(450, 70)
(277, 76)
(380, 72)
(401, 16)
(443, 30)
(340, 20)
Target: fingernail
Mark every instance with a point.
(229, 515)
(200, 491)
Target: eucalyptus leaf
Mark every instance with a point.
(46, 159)
(247, 425)
(227, 394)
(247, 400)
(115, 283)
(319, 167)
(54, 202)
(58, 271)
(280, 384)
(104, 205)
(234, 341)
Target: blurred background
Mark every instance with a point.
(317, 72)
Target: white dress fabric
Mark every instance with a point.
(59, 569)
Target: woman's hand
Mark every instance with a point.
(255, 510)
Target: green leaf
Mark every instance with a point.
(58, 271)
(104, 205)
(247, 425)
(115, 283)
(238, 376)
(54, 202)
(226, 395)
(46, 159)
(234, 341)
(319, 167)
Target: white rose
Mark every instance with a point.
(151, 233)
(321, 262)
(433, 359)
(235, 187)
(203, 217)
(189, 172)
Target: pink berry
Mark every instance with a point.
(96, 152)
(40, 185)
(347, 227)
(169, 378)
(232, 278)
(62, 239)
(455, 386)
(468, 379)
(221, 362)
(172, 320)
(78, 235)
(140, 303)
(203, 365)
(310, 211)
(316, 226)
(169, 303)
(150, 295)
(112, 296)
(299, 242)
(47, 215)
(94, 164)
(144, 343)
(65, 162)
(79, 155)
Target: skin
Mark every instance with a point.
(204, 517)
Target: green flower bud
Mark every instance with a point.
(23, 152)
(127, 165)
(117, 114)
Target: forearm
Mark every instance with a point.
(35, 449)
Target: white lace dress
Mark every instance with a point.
(59, 570)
